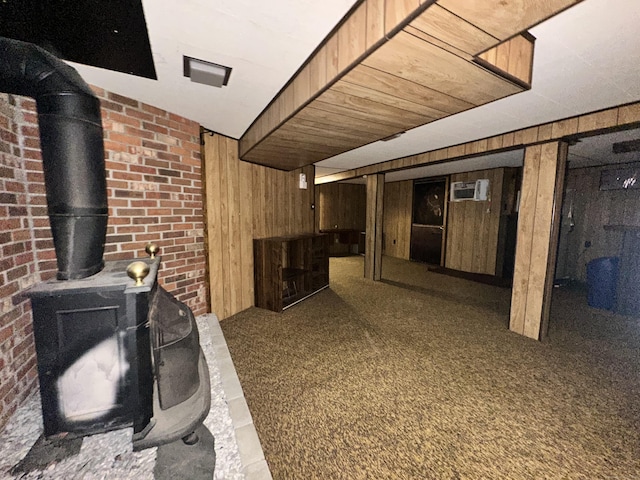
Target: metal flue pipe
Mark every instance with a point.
(71, 141)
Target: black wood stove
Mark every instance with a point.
(113, 351)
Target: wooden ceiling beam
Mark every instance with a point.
(398, 64)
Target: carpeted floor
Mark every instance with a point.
(418, 377)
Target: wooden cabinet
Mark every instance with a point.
(289, 269)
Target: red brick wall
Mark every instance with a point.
(154, 186)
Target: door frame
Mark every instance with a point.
(445, 212)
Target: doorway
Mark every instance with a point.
(428, 224)
(598, 248)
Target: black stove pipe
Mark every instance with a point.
(72, 153)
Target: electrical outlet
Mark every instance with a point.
(587, 243)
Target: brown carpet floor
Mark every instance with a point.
(418, 377)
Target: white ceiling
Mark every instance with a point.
(587, 58)
(263, 42)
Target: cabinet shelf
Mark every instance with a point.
(289, 269)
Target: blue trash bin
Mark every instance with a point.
(602, 281)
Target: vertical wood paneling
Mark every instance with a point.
(515, 57)
(395, 11)
(537, 225)
(541, 238)
(246, 201)
(375, 22)
(397, 218)
(468, 226)
(473, 227)
(352, 37)
(234, 209)
(492, 243)
(212, 177)
(375, 209)
(592, 210)
(561, 154)
(342, 206)
(227, 284)
(246, 235)
(524, 238)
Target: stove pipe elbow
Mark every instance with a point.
(71, 140)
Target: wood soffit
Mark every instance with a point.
(393, 65)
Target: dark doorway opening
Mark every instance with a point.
(428, 221)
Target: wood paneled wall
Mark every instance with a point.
(592, 209)
(538, 225)
(473, 227)
(397, 218)
(375, 209)
(243, 202)
(623, 116)
(341, 206)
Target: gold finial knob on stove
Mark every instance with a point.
(152, 249)
(138, 271)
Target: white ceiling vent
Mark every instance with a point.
(206, 73)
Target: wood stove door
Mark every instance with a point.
(86, 346)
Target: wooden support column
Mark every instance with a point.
(537, 238)
(373, 248)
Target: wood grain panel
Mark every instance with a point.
(234, 209)
(473, 227)
(374, 219)
(513, 56)
(301, 127)
(437, 42)
(345, 111)
(374, 103)
(449, 26)
(561, 154)
(453, 30)
(540, 249)
(395, 11)
(288, 159)
(246, 188)
(468, 223)
(404, 56)
(224, 273)
(504, 18)
(628, 116)
(535, 261)
(499, 194)
(352, 38)
(524, 238)
(284, 141)
(212, 180)
(397, 218)
(342, 206)
(359, 32)
(246, 201)
(375, 22)
(405, 89)
(354, 126)
(592, 209)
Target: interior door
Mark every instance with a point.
(429, 221)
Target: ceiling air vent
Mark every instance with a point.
(206, 73)
(626, 147)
